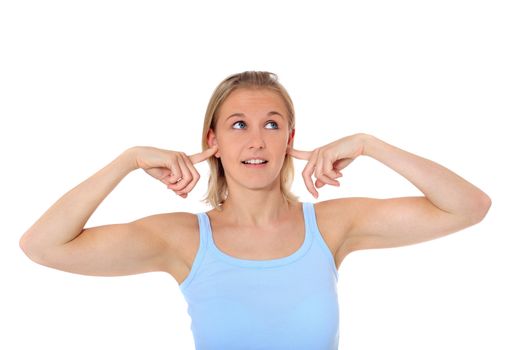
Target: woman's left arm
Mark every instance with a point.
(450, 203)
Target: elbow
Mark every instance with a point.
(481, 208)
(24, 243)
(29, 248)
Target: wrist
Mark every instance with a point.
(128, 159)
(367, 143)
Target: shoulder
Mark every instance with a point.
(334, 220)
(174, 227)
(339, 212)
(352, 214)
(335, 213)
(169, 224)
(178, 230)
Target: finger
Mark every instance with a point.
(326, 180)
(199, 157)
(343, 163)
(194, 175)
(304, 155)
(175, 175)
(319, 183)
(307, 175)
(321, 177)
(328, 170)
(161, 174)
(328, 175)
(185, 177)
(319, 165)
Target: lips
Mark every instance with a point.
(255, 161)
(258, 159)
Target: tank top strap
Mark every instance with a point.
(313, 228)
(204, 238)
(309, 215)
(204, 229)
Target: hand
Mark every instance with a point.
(174, 169)
(326, 162)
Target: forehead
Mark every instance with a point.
(252, 101)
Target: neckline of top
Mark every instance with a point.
(303, 249)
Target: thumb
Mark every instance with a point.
(199, 157)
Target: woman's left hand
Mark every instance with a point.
(326, 162)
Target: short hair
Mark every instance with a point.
(217, 186)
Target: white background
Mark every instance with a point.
(82, 81)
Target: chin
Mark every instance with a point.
(255, 183)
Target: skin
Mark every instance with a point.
(255, 223)
(254, 194)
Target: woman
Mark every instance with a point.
(259, 270)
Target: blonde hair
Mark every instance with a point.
(217, 186)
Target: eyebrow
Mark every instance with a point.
(243, 115)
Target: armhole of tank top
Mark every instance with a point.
(312, 224)
(199, 257)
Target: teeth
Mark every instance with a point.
(254, 161)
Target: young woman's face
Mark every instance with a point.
(252, 135)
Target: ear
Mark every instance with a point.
(212, 141)
(291, 137)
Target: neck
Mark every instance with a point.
(259, 208)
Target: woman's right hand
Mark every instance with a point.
(174, 169)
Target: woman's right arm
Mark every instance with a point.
(59, 240)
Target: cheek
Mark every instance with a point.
(225, 150)
(283, 144)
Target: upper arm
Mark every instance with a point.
(384, 223)
(145, 245)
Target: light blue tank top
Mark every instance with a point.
(286, 303)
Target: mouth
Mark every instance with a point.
(254, 161)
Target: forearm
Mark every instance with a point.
(66, 218)
(445, 189)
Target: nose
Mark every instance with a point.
(256, 139)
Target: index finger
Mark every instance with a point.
(199, 157)
(304, 155)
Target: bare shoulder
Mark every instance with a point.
(180, 232)
(334, 218)
(172, 226)
(336, 212)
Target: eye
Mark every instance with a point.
(272, 125)
(240, 121)
(243, 125)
